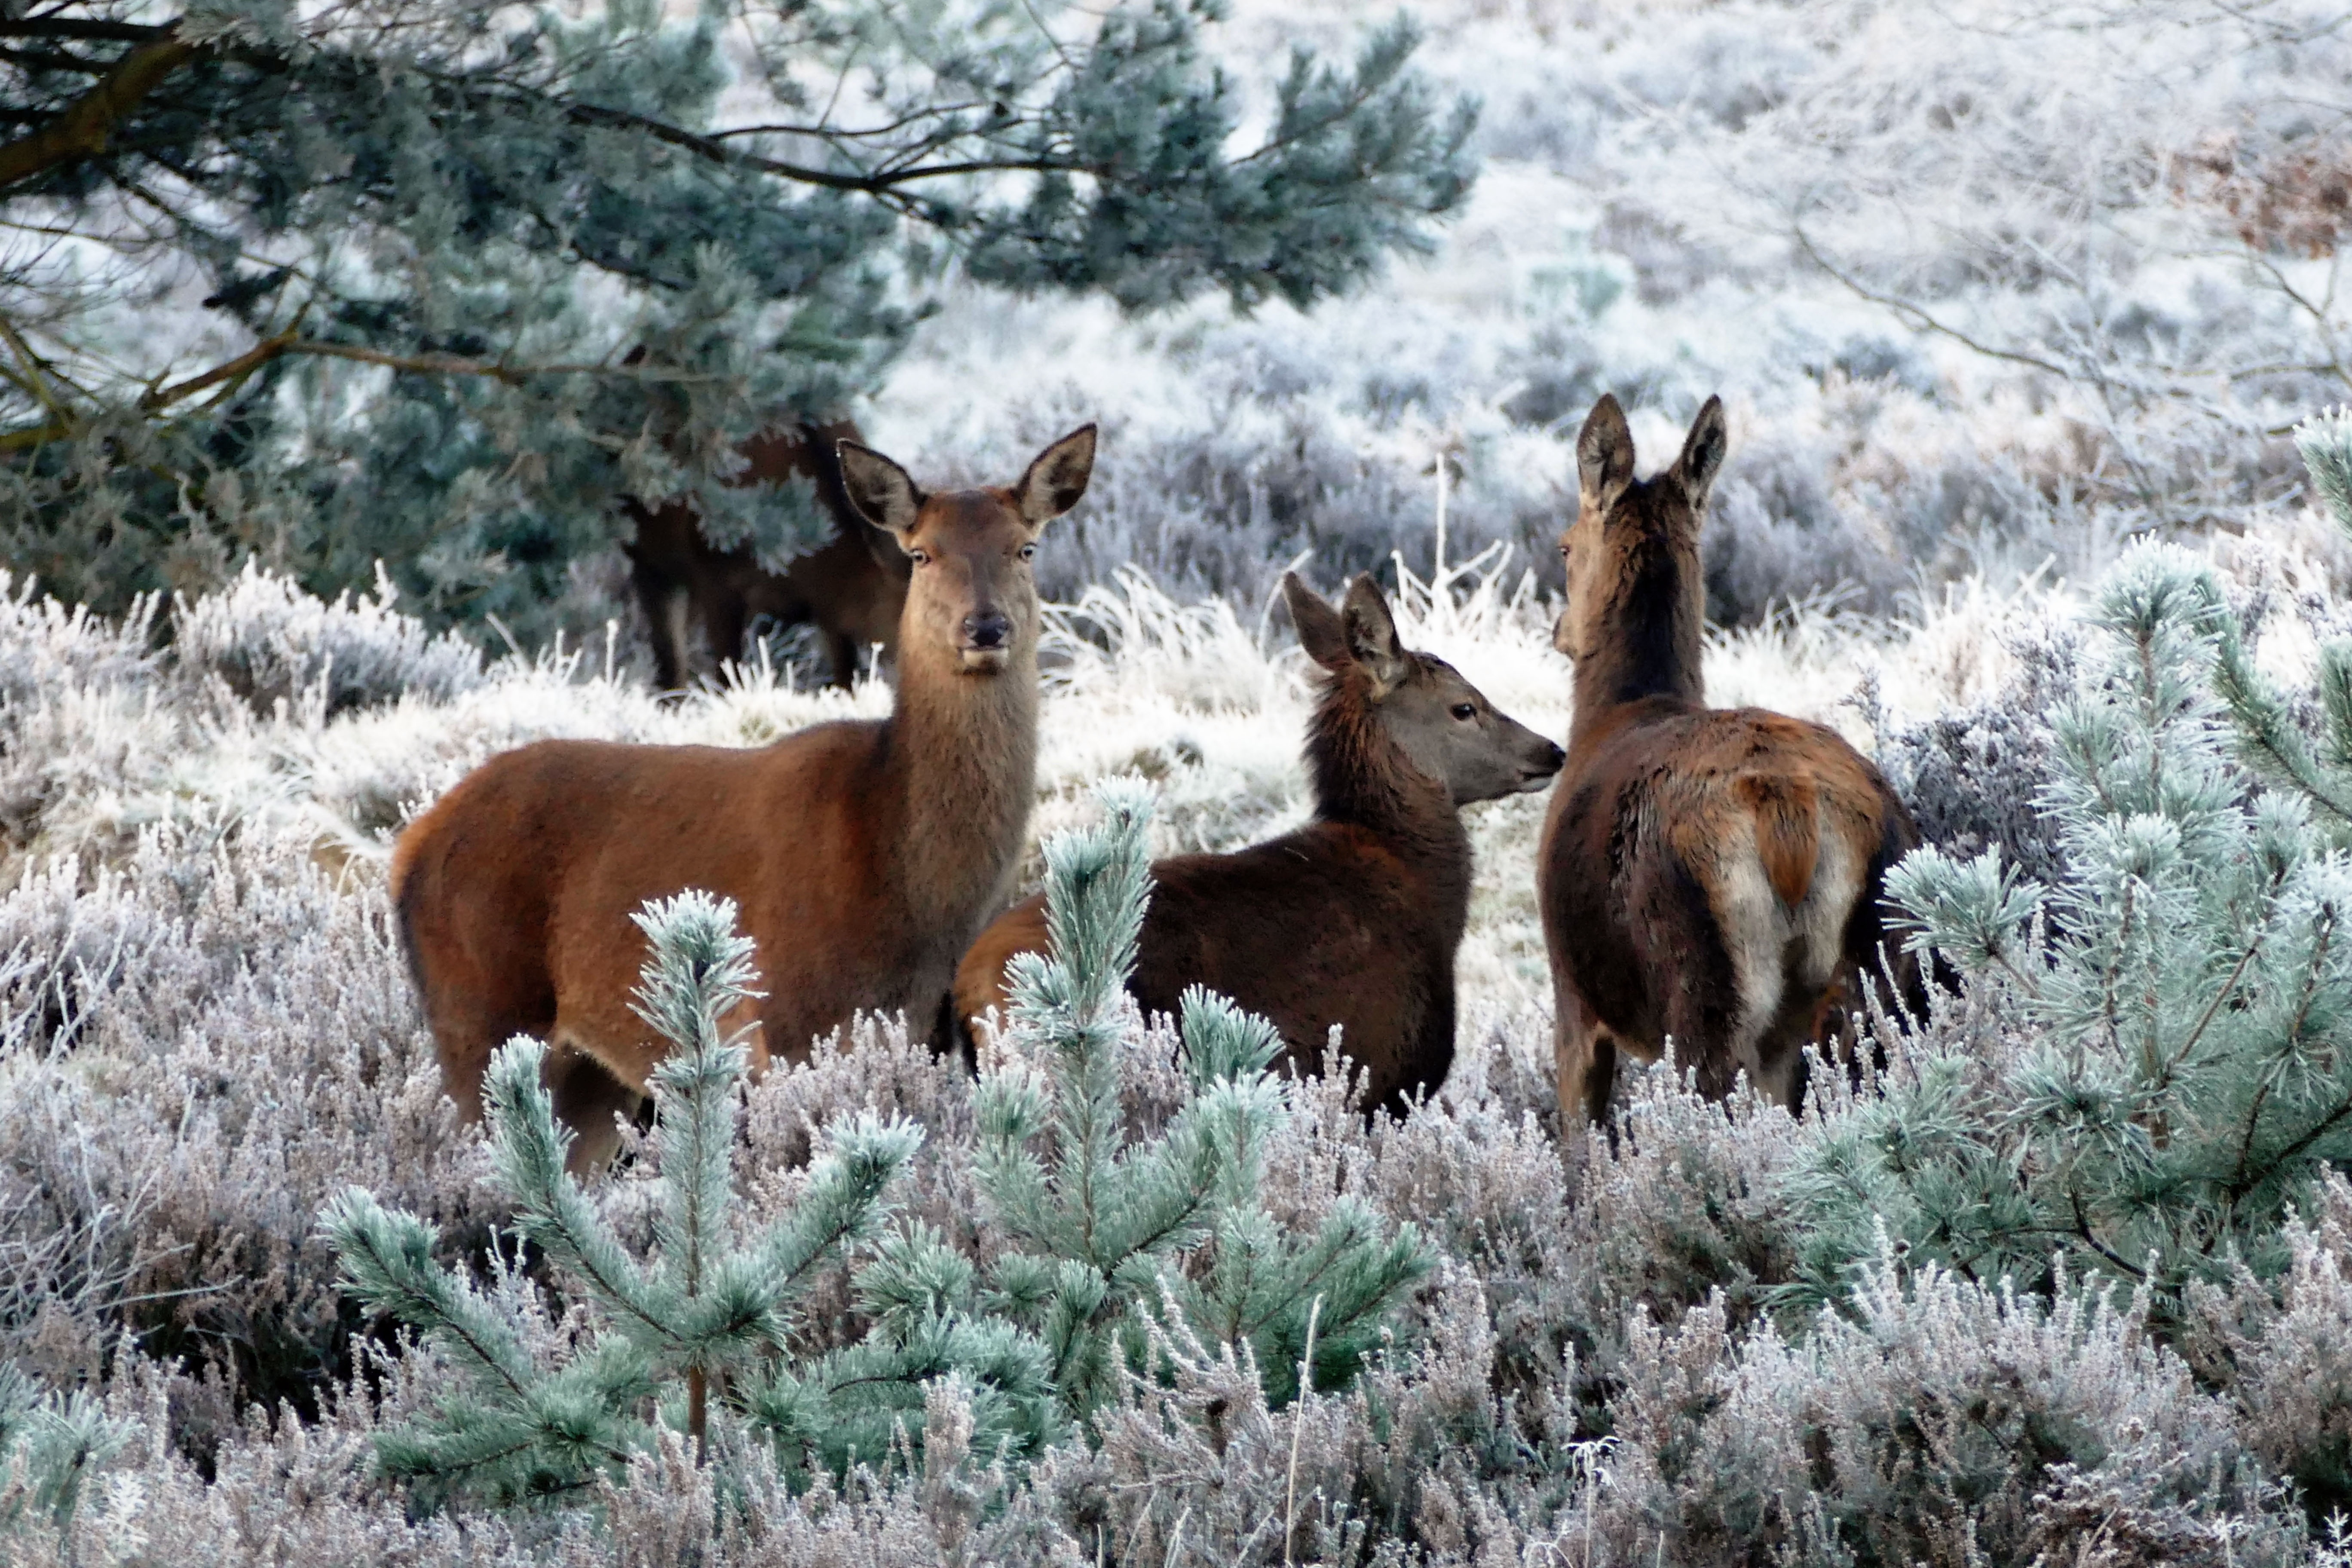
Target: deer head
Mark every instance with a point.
(1445, 725)
(972, 600)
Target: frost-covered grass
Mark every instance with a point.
(206, 1030)
(114, 737)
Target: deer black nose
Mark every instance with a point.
(987, 630)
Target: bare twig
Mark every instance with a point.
(1298, 1422)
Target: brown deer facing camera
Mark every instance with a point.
(864, 857)
(1712, 875)
(1353, 920)
(851, 588)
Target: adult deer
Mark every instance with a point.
(852, 587)
(1711, 875)
(1354, 919)
(864, 856)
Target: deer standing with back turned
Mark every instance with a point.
(1353, 920)
(864, 857)
(1711, 875)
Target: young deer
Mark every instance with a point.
(1353, 920)
(864, 857)
(1709, 874)
(852, 587)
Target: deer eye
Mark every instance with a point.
(1028, 552)
(1465, 710)
(920, 557)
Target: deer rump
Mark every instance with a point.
(1715, 876)
(851, 588)
(1327, 926)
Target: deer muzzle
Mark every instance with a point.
(987, 640)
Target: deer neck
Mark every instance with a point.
(1363, 778)
(962, 753)
(1651, 641)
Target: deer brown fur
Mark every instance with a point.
(1711, 875)
(864, 857)
(1353, 920)
(851, 588)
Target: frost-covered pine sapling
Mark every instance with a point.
(1096, 1226)
(2273, 736)
(1287, 1297)
(49, 1443)
(708, 1304)
(2154, 1076)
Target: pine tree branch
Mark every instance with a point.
(86, 29)
(836, 133)
(2172, 1065)
(81, 129)
(64, 424)
(711, 148)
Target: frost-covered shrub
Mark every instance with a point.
(1776, 536)
(271, 642)
(45, 646)
(1977, 777)
(1945, 1421)
(209, 1029)
(241, 1042)
(1680, 1203)
(2288, 1349)
(79, 709)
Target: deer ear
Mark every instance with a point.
(878, 488)
(1703, 451)
(1604, 456)
(1372, 635)
(1058, 478)
(1321, 632)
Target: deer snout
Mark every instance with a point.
(1546, 760)
(988, 629)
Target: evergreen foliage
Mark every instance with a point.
(431, 241)
(1098, 1230)
(2153, 1062)
(1100, 1234)
(49, 1442)
(694, 1319)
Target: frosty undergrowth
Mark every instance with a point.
(208, 1032)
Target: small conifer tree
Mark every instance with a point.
(49, 1443)
(1095, 1225)
(2154, 1057)
(1102, 1230)
(676, 1337)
